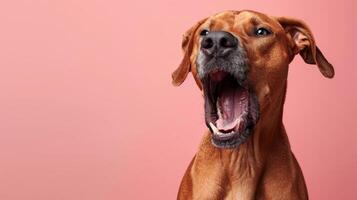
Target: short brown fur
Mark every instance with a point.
(263, 167)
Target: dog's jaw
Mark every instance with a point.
(231, 109)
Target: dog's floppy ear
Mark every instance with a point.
(180, 74)
(304, 44)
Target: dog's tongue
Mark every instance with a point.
(231, 103)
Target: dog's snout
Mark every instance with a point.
(218, 42)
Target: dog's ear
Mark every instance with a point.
(180, 74)
(304, 43)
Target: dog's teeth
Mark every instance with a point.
(214, 128)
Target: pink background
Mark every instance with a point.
(88, 111)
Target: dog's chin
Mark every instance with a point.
(231, 109)
(233, 142)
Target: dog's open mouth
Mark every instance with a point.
(231, 109)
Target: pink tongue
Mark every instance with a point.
(231, 103)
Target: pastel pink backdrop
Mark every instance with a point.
(88, 111)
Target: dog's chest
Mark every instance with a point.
(216, 183)
(240, 189)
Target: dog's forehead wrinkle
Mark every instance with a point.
(254, 20)
(222, 21)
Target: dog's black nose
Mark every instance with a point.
(219, 43)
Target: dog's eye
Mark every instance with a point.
(204, 32)
(262, 32)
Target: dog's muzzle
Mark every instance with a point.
(231, 107)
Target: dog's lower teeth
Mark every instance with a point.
(217, 132)
(214, 129)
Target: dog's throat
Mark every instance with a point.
(232, 105)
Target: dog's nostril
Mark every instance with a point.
(227, 42)
(223, 42)
(207, 43)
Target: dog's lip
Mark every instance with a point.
(219, 135)
(232, 142)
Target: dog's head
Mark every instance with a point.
(239, 59)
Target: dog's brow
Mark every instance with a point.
(254, 20)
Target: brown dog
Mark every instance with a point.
(240, 61)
